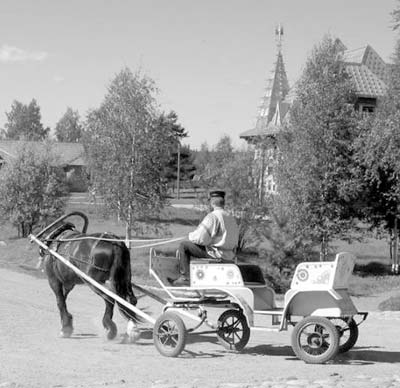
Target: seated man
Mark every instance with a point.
(216, 237)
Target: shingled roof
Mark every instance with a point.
(368, 71)
(366, 83)
(68, 154)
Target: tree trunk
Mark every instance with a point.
(395, 262)
(128, 235)
(324, 248)
(178, 172)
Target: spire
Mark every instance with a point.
(277, 86)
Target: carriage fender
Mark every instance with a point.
(245, 299)
(328, 303)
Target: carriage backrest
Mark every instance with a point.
(211, 273)
(204, 273)
(323, 275)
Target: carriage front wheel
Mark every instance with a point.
(233, 331)
(315, 340)
(169, 334)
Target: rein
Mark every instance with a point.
(153, 242)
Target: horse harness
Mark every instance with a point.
(63, 247)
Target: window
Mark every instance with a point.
(366, 109)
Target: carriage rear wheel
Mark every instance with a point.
(348, 333)
(233, 331)
(315, 340)
(169, 334)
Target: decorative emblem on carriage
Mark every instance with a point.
(200, 274)
(324, 277)
(302, 275)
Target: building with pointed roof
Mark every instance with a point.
(369, 74)
(272, 110)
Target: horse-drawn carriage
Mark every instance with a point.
(317, 306)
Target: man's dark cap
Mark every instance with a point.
(217, 193)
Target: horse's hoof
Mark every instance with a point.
(112, 331)
(132, 332)
(66, 332)
(134, 336)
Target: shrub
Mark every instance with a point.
(282, 254)
(31, 190)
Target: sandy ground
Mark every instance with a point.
(33, 355)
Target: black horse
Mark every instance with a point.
(95, 254)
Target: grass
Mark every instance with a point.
(371, 275)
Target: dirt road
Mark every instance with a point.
(32, 354)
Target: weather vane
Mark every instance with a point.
(279, 36)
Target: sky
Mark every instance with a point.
(210, 59)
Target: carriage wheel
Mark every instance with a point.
(348, 333)
(169, 334)
(233, 332)
(315, 340)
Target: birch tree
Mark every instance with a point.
(127, 150)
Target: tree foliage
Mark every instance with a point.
(68, 128)
(314, 173)
(127, 150)
(168, 123)
(396, 17)
(202, 158)
(24, 122)
(232, 171)
(187, 167)
(378, 154)
(31, 189)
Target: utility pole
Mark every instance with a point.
(178, 172)
(395, 262)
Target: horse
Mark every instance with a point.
(99, 256)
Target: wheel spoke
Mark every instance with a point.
(239, 334)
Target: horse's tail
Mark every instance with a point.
(121, 278)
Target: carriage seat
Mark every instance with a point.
(251, 274)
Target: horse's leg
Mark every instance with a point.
(108, 323)
(66, 317)
(68, 328)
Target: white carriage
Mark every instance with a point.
(318, 305)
